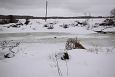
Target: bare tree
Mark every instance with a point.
(113, 12)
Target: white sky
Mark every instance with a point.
(57, 7)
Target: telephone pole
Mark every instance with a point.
(46, 10)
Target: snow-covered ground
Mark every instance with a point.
(35, 59)
(36, 54)
(38, 26)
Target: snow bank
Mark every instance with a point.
(38, 26)
(33, 60)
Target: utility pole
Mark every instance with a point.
(46, 10)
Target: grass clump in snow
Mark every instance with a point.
(65, 56)
(100, 49)
(45, 25)
(50, 27)
(73, 43)
(58, 58)
(7, 48)
(27, 21)
(65, 26)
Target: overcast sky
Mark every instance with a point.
(57, 7)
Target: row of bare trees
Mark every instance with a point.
(113, 12)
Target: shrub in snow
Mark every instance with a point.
(50, 27)
(73, 43)
(60, 56)
(27, 21)
(76, 23)
(108, 22)
(7, 48)
(45, 25)
(64, 26)
(55, 37)
(79, 23)
(100, 49)
(83, 23)
(95, 25)
(15, 25)
(65, 56)
(9, 55)
(57, 58)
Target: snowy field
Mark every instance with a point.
(40, 50)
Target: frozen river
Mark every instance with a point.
(55, 37)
